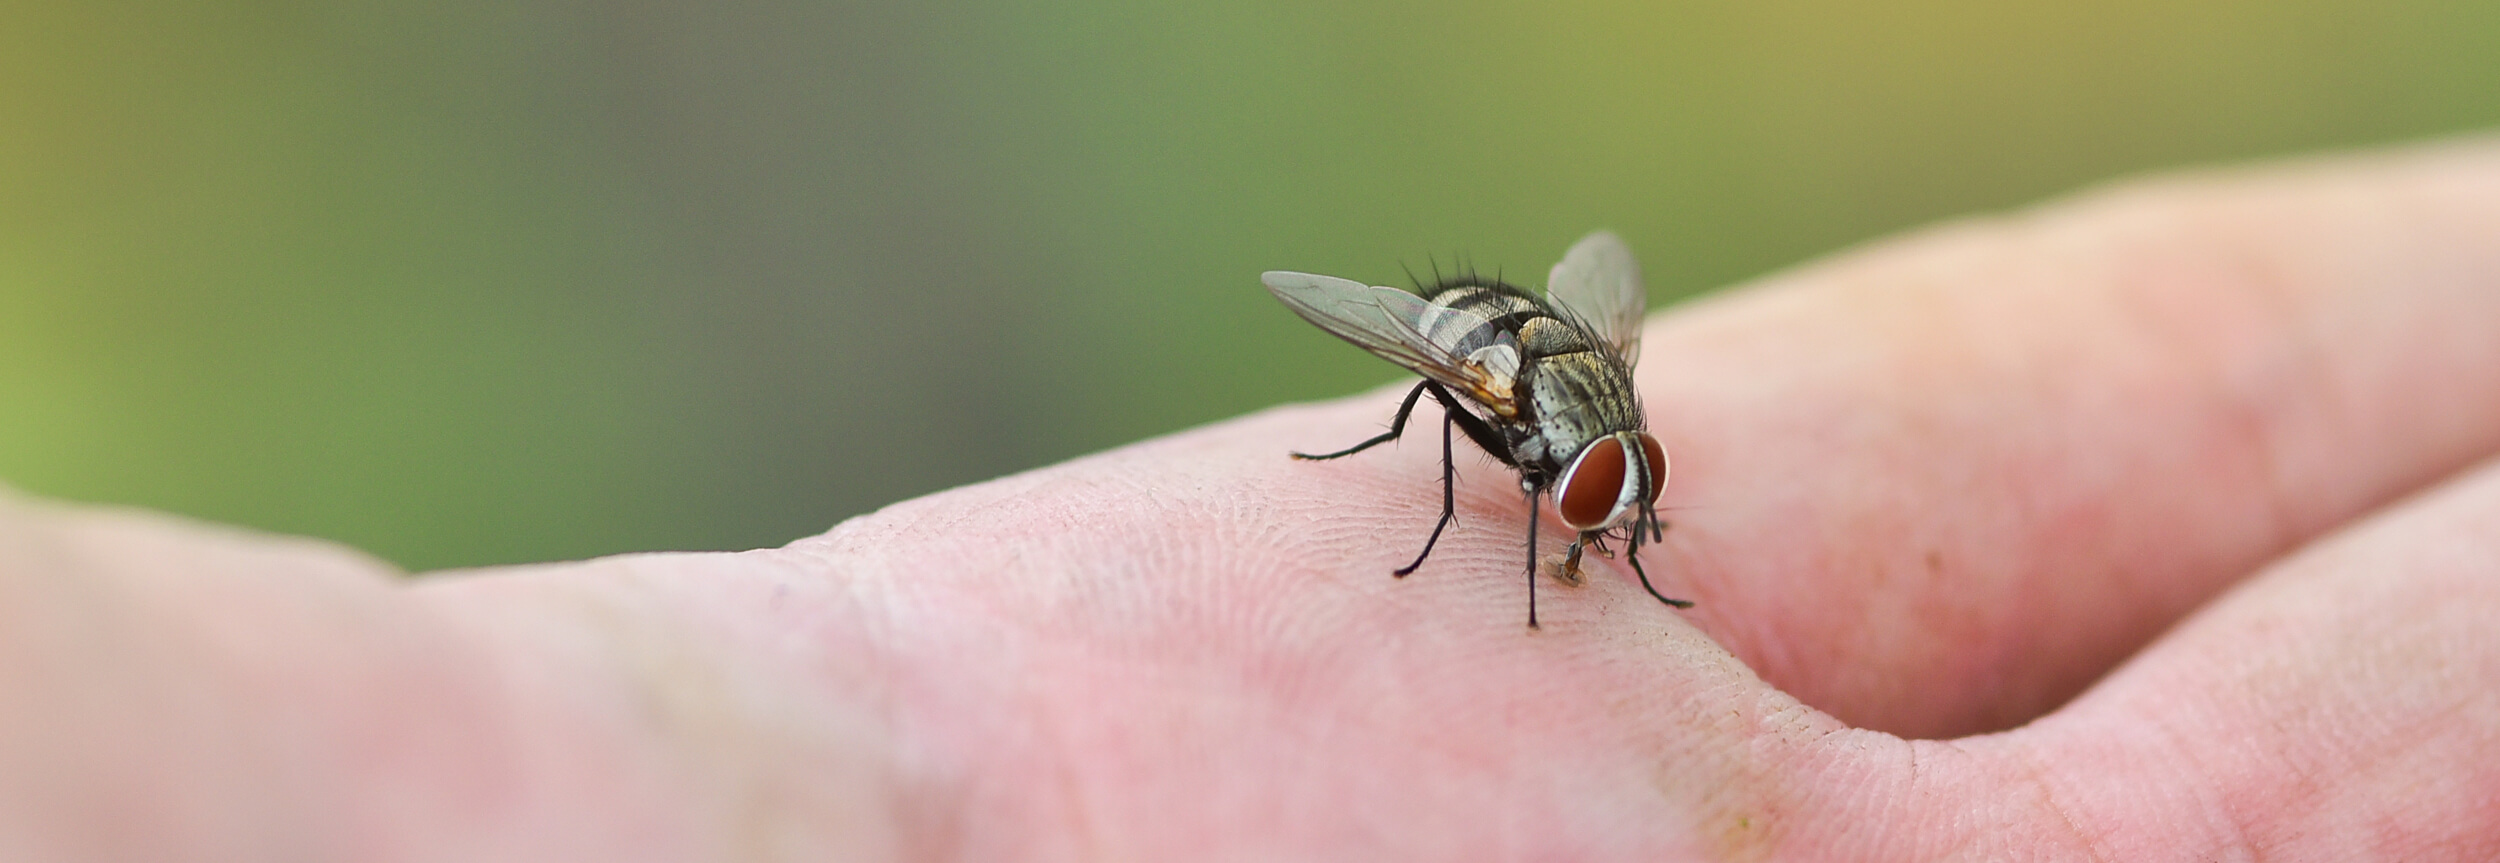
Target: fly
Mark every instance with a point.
(1542, 383)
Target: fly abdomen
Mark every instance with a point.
(1469, 318)
(1545, 336)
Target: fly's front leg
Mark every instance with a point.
(1636, 570)
(1632, 552)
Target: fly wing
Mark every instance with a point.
(1599, 282)
(1455, 347)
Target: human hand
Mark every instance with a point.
(2206, 446)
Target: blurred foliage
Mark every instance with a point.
(475, 282)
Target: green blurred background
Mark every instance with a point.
(487, 281)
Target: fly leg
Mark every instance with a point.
(1479, 431)
(1452, 415)
(1532, 558)
(1449, 494)
(1397, 426)
(1632, 553)
(1636, 570)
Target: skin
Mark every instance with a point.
(2161, 523)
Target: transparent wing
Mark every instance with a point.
(1458, 348)
(1600, 282)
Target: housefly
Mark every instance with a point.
(1543, 383)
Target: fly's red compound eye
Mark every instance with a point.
(1592, 485)
(1657, 456)
(1599, 486)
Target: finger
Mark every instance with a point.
(2339, 706)
(1193, 647)
(180, 691)
(2342, 705)
(1938, 486)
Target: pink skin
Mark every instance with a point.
(2225, 445)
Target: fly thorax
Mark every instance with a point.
(1573, 397)
(1529, 448)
